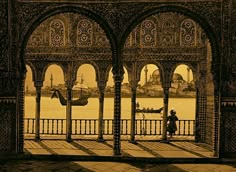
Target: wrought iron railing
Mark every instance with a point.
(90, 127)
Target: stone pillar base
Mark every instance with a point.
(37, 139)
(69, 140)
(117, 153)
(133, 142)
(164, 141)
(100, 140)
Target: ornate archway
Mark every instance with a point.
(171, 37)
(69, 40)
(119, 32)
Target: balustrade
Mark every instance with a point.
(90, 127)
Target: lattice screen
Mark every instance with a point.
(230, 131)
(201, 128)
(210, 119)
(5, 130)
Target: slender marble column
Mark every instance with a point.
(117, 114)
(100, 119)
(68, 115)
(165, 114)
(133, 112)
(37, 113)
(197, 129)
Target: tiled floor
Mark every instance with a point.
(88, 166)
(147, 149)
(55, 156)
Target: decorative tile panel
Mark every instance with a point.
(7, 111)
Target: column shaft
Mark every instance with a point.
(133, 113)
(68, 115)
(165, 114)
(37, 113)
(117, 115)
(100, 119)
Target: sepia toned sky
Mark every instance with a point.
(88, 73)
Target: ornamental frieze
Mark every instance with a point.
(175, 50)
(228, 102)
(66, 57)
(74, 51)
(164, 57)
(66, 50)
(8, 100)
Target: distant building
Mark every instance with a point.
(179, 86)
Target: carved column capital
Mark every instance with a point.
(166, 74)
(101, 85)
(38, 83)
(118, 72)
(133, 84)
(118, 77)
(166, 85)
(70, 75)
(69, 84)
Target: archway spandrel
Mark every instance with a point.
(117, 15)
(210, 11)
(68, 34)
(28, 12)
(126, 12)
(30, 21)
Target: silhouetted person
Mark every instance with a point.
(171, 123)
